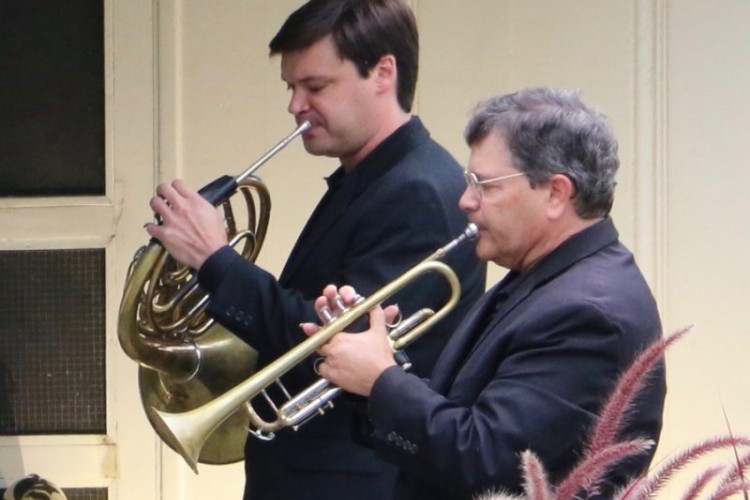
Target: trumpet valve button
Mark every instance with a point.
(339, 302)
(326, 314)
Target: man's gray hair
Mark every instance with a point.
(551, 131)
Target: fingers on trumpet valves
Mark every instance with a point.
(350, 295)
(345, 294)
(332, 304)
(333, 309)
(338, 301)
(343, 303)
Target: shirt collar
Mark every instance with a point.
(381, 159)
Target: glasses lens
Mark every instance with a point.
(473, 183)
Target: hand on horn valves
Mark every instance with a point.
(191, 228)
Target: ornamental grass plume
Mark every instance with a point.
(603, 452)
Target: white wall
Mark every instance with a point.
(708, 281)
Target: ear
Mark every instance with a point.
(385, 73)
(561, 191)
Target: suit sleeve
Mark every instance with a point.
(249, 301)
(539, 389)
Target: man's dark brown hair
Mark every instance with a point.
(363, 31)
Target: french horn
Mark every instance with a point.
(185, 359)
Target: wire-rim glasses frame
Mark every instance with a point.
(476, 185)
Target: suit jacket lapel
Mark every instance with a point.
(455, 353)
(330, 208)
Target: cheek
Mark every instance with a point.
(500, 223)
(338, 119)
(489, 239)
(318, 108)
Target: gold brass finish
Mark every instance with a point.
(186, 359)
(187, 432)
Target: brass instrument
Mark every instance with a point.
(185, 358)
(33, 487)
(187, 432)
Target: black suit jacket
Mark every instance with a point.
(533, 378)
(396, 207)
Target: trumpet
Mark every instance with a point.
(186, 432)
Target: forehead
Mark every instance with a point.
(320, 59)
(491, 154)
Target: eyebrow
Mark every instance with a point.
(311, 79)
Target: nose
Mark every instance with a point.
(298, 103)
(469, 201)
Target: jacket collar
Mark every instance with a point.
(382, 159)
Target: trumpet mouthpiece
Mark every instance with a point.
(469, 233)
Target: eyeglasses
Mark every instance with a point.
(476, 185)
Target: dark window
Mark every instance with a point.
(52, 342)
(51, 97)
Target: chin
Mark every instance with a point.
(487, 252)
(315, 149)
(320, 147)
(484, 254)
